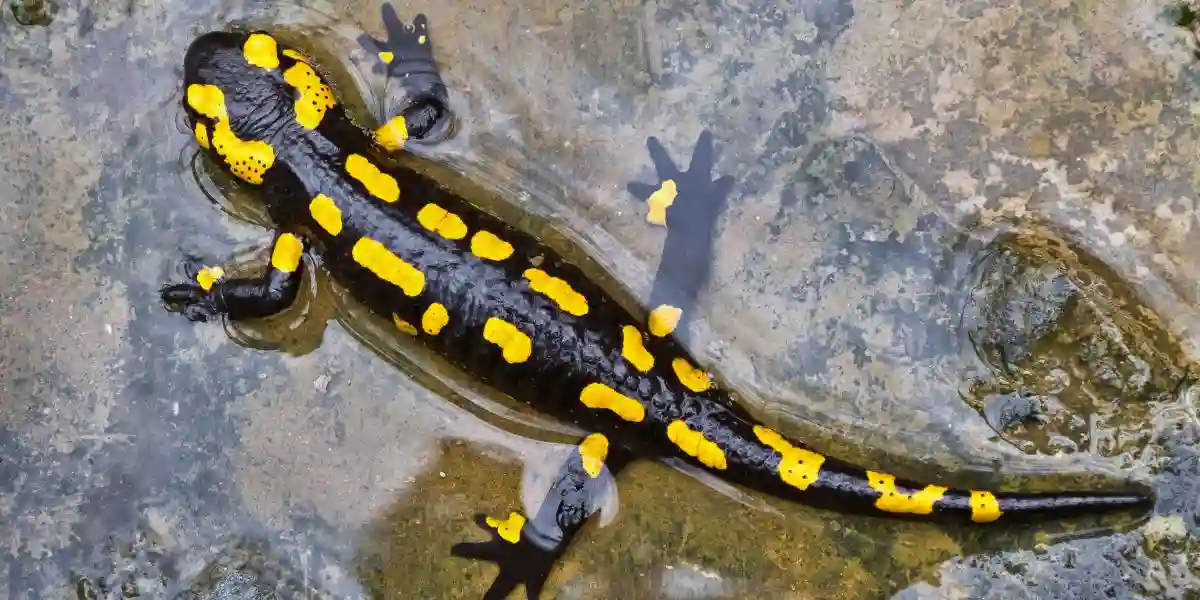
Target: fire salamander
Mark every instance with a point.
(504, 307)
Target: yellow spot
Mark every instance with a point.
(693, 443)
(261, 51)
(489, 247)
(516, 345)
(891, 500)
(386, 57)
(798, 467)
(658, 202)
(664, 319)
(557, 290)
(633, 350)
(209, 276)
(249, 160)
(692, 378)
(379, 184)
(393, 134)
(446, 224)
(421, 40)
(598, 395)
(509, 530)
(202, 135)
(434, 319)
(404, 326)
(315, 97)
(326, 214)
(294, 54)
(387, 266)
(984, 507)
(207, 100)
(593, 450)
(286, 255)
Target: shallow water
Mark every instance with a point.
(962, 245)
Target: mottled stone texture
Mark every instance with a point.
(963, 245)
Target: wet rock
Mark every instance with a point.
(1021, 300)
(248, 570)
(34, 13)
(1003, 411)
(1170, 528)
(237, 585)
(1073, 360)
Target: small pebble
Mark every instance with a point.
(322, 383)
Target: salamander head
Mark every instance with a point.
(236, 78)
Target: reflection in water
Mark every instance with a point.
(1074, 361)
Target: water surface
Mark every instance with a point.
(962, 246)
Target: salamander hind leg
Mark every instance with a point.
(209, 293)
(526, 549)
(688, 203)
(406, 58)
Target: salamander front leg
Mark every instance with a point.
(526, 550)
(688, 203)
(407, 56)
(209, 293)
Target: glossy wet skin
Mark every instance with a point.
(94, 167)
(566, 351)
(505, 308)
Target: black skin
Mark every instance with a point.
(568, 352)
(573, 498)
(251, 297)
(428, 105)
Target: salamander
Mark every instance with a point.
(504, 307)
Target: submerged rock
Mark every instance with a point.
(1074, 361)
(30, 13)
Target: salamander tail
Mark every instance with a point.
(784, 468)
(984, 507)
